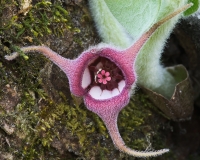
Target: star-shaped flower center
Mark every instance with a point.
(103, 76)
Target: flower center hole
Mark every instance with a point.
(105, 74)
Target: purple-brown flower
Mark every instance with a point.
(105, 77)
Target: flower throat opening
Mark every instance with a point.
(105, 74)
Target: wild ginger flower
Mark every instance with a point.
(105, 77)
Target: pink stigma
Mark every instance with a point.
(103, 77)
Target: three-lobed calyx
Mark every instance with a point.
(104, 76)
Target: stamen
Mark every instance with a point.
(103, 76)
(108, 78)
(99, 76)
(107, 74)
(100, 80)
(104, 81)
(103, 72)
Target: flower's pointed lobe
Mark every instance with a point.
(136, 47)
(111, 124)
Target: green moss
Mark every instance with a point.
(75, 119)
(29, 25)
(38, 20)
(133, 121)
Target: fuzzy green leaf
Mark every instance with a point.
(192, 9)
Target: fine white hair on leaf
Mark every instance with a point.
(108, 14)
(105, 22)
